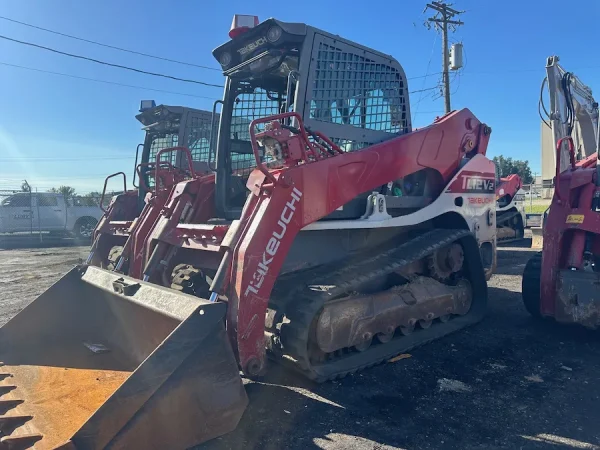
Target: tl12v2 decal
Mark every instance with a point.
(481, 186)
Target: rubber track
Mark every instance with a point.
(304, 304)
(507, 240)
(530, 285)
(506, 217)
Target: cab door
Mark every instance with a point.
(52, 211)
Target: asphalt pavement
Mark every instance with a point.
(509, 382)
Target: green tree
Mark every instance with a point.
(66, 191)
(509, 166)
(522, 169)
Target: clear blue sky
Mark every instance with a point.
(85, 123)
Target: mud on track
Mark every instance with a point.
(508, 382)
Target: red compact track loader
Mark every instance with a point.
(510, 210)
(176, 147)
(562, 281)
(331, 237)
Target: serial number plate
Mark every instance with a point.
(575, 218)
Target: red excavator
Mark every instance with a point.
(561, 281)
(510, 211)
(331, 237)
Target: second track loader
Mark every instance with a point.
(177, 145)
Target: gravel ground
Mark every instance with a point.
(508, 382)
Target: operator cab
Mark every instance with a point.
(172, 126)
(354, 95)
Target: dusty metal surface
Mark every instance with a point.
(102, 360)
(352, 321)
(578, 298)
(537, 238)
(60, 397)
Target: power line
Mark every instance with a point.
(109, 46)
(427, 74)
(62, 159)
(152, 89)
(141, 53)
(478, 72)
(425, 77)
(424, 90)
(442, 20)
(105, 81)
(185, 80)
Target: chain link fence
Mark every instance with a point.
(30, 216)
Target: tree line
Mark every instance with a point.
(506, 166)
(89, 199)
(509, 166)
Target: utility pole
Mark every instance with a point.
(442, 18)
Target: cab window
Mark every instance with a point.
(17, 201)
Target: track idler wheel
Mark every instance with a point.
(446, 261)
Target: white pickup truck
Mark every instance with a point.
(47, 212)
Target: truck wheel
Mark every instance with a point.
(84, 228)
(530, 286)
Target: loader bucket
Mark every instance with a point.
(105, 361)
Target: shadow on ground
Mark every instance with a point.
(508, 382)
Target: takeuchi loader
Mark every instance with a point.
(177, 146)
(330, 237)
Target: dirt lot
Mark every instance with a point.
(25, 274)
(508, 382)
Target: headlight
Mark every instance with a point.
(225, 59)
(274, 34)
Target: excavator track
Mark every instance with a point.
(303, 305)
